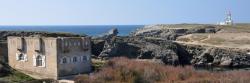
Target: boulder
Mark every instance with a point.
(226, 61)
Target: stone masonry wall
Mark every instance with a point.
(69, 48)
(27, 67)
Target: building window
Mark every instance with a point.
(21, 57)
(64, 60)
(84, 58)
(86, 44)
(66, 43)
(74, 59)
(69, 43)
(75, 43)
(78, 43)
(39, 61)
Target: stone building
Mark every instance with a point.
(50, 57)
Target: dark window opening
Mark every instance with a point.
(84, 58)
(21, 57)
(74, 59)
(39, 61)
(64, 60)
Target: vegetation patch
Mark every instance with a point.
(15, 77)
(97, 64)
(215, 41)
(123, 70)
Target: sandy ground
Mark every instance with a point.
(231, 40)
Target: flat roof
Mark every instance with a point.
(45, 37)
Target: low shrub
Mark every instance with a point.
(42, 81)
(123, 70)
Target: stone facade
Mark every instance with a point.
(50, 57)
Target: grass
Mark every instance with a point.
(215, 41)
(185, 39)
(123, 70)
(16, 77)
(97, 64)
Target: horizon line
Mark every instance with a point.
(111, 24)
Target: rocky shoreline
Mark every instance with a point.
(169, 52)
(156, 43)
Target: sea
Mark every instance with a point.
(91, 30)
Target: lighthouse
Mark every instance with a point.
(228, 20)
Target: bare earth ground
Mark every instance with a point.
(231, 40)
(236, 36)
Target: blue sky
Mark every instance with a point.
(120, 12)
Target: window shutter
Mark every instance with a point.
(81, 58)
(25, 57)
(43, 61)
(87, 58)
(78, 58)
(86, 44)
(34, 60)
(61, 61)
(71, 60)
(17, 56)
(68, 59)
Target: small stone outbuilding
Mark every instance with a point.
(50, 57)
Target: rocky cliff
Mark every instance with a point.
(169, 52)
(171, 32)
(161, 43)
(218, 56)
(165, 51)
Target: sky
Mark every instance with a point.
(120, 12)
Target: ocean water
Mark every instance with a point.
(92, 30)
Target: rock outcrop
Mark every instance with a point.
(142, 48)
(157, 44)
(216, 56)
(171, 32)
(173, 53)
(109, 47)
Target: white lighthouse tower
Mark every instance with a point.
(228, 20)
